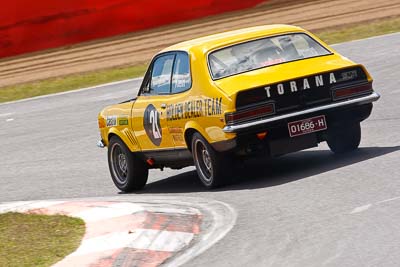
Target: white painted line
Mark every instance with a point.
(108, 212)
(169, 241)
(219, 218)
(10, 119)
(102, 243)
(6, 114)
(72, 91)
(366, 39)
(388, 200)
(365, 207)
(184, 211)
(223, 220)
(361, 209)
(24, 206)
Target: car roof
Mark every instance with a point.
(214, 41)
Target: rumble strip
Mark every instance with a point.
(122, 233)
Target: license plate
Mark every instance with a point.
(306, 126)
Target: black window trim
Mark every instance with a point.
(147, 76)
(190, 73)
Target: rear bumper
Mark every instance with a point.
(342, 104)
(278, 141)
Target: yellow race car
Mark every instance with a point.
(261, 91)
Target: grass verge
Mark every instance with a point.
(359, 31)
(76, 81)
(37, 240)
(70, 82)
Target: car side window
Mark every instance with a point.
(160, 82)
(181, 79)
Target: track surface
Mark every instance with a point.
(305, 209)
(140, 47)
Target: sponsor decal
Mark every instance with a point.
(177, 135)
(115, 120)
(175, 130)
(348, 75)
(123, 121)
(272, 62)
(194, 109)
(151, 124)
(300, 84)
(111, 121)
(178, 139)
(323, 80)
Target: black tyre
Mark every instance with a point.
(127, 171)
(344, 139)
(212, 167)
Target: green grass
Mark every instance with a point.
(37, 240)
(359, 31)
(71, 82)
(61, 84)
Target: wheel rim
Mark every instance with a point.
(119, 164)
(204, 161)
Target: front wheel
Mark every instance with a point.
(212, 167)
(345, 138)
(127, 171)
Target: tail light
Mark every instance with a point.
(251, 97)
(351, 91)
(249, 113)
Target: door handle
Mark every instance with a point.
(163, 106)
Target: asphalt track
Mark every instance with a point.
(309, 208)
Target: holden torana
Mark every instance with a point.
(257, 92)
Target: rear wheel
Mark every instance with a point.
(344, 139)
(212, 167)
(127, 171)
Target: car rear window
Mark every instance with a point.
(262, 53)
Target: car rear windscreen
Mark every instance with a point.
(262, 53)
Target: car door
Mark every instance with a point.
(149, 120)
(181, 106)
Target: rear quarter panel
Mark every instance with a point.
(212, 102)
(117, 121)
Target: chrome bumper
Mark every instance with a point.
(358, 101)
(100, 144)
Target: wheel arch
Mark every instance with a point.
(111, 135)
(115, 132)
(190, 129)
(214, 136)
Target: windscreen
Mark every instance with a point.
(263, 53)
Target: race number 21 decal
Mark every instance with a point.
(151, 124)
